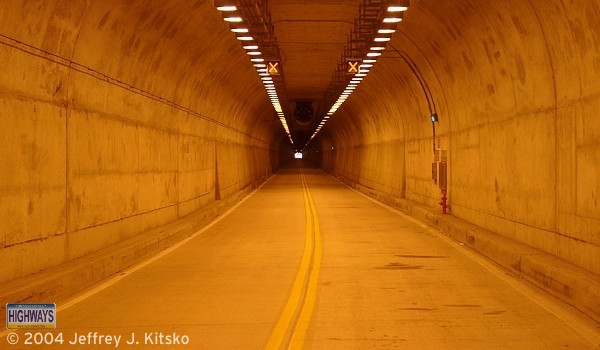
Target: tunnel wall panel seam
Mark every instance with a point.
(82, 69)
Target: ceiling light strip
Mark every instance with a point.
(382, 36)
(239, 25)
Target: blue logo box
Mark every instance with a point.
(30, 316)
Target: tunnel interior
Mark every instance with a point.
(119, 117)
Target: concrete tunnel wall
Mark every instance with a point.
(516, 88)
(117, 117)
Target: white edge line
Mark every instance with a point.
(109, 281)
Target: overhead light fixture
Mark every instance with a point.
(381, 39)
(392, 20)
(374, 54)
(369, 61)
(398, 5)
(377, 48)
(227, 8)
(386, 31)
(250, 47)
(245, 38)
(233, 19)
(239, 30)
(254, 53)
(397, 8)
(258, 60)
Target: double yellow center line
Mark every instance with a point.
(293, 322)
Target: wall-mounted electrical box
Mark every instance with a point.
(439, 168)
(443, 176)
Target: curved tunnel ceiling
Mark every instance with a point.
(507, 57)
(312, 38)
(184, 52)
(483, 55)
(470, 57)
(313, 41)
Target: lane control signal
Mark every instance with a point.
(273, 68)
(353, 67)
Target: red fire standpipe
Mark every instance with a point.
(443, 202)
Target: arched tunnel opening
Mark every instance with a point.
(128, 126)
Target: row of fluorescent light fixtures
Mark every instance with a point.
(386, 29)
(242, 32)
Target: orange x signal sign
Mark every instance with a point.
(353, 67)
(273, 68)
